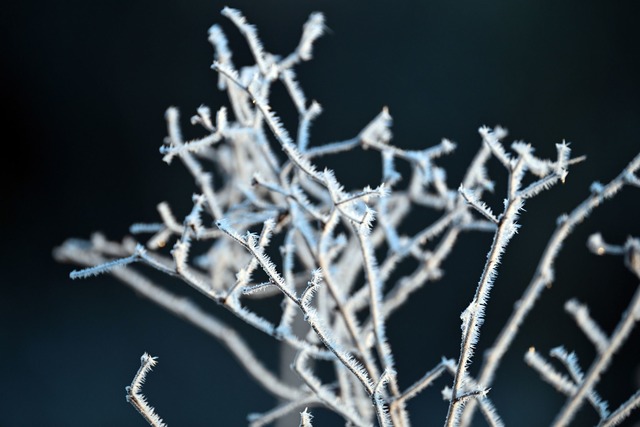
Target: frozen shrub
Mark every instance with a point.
(335, 275)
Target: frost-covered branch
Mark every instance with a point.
(473, 316)
(135, 396)
(268, 223)
(545, 274)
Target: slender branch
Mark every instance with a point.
(544, 276)
(135, 396)
(601, 363)
(472, 317)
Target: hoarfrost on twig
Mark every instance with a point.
(337, 277)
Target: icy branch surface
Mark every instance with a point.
(135, 396)
(268, 223)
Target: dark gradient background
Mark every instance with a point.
(84, 88)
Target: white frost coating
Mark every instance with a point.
(267, 219)
(135, 396)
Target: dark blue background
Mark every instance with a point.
(85, 86)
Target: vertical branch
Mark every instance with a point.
(399, 414)
(135, 396)
(347, 315)
(473, 316)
